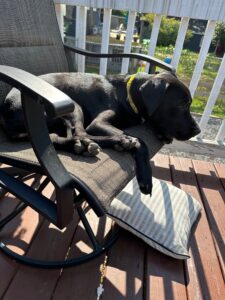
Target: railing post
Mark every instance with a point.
(60, 10)
(202, 56)
(80, 39)
(180, 41)
(105, 39)
(213, 95)
(221, 133)
(128, 41)
(154, 37)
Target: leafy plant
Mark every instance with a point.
(168, 30)
(67, 24)
(121, 13)
(219, 38)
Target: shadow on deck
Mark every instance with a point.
(134, 270)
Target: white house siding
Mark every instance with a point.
(196, 9)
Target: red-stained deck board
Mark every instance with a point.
(125, 271)
(203, 273)
(18, 229)
(134, 270)
(213, 196)
(164, 275)
(82, 281)
(221, 175)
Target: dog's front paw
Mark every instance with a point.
(144, 180)
(146, 188)
(126, 143)
(85, 146)
(145, 185)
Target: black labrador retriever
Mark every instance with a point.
(105, 106)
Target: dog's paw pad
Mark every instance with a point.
(85, 146)
(78, 147)
(128, 142)
(93, 149)
(146, 188)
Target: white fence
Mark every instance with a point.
(210, 10)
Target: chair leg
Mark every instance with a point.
(19, 208)
(88, 228)
(21, 175)
(98, 248)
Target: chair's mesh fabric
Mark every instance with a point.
(105, 175)
(30, 38)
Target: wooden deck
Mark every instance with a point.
(134, 270)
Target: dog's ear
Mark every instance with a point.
(153, 91)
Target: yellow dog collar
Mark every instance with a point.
(130, 100)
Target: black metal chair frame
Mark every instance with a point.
(39, 97)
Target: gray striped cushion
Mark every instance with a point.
(163, 221)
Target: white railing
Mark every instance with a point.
(210, 10)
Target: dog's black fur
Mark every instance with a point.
(102, 112)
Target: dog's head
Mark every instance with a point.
(167, 102)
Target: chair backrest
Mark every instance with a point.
(30, 38)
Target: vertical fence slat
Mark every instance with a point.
(60, 10)
(180, 41)
(81, 24)
(213, 95)
(77, 23)
(76, 56)
(154, 37)
(221, 133)
(202, 56)
(105, 39)
(128, 41)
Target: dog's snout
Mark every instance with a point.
(184, 133)
(196, 129)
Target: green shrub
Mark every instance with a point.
(121, 13)
(219, 38)
(219, 34)
(168, 30)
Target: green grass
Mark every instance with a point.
(188, 60)
(198, 106)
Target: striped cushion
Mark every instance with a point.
(163, 221)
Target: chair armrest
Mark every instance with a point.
(152, 60)
(56, 102)
(38, 96)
